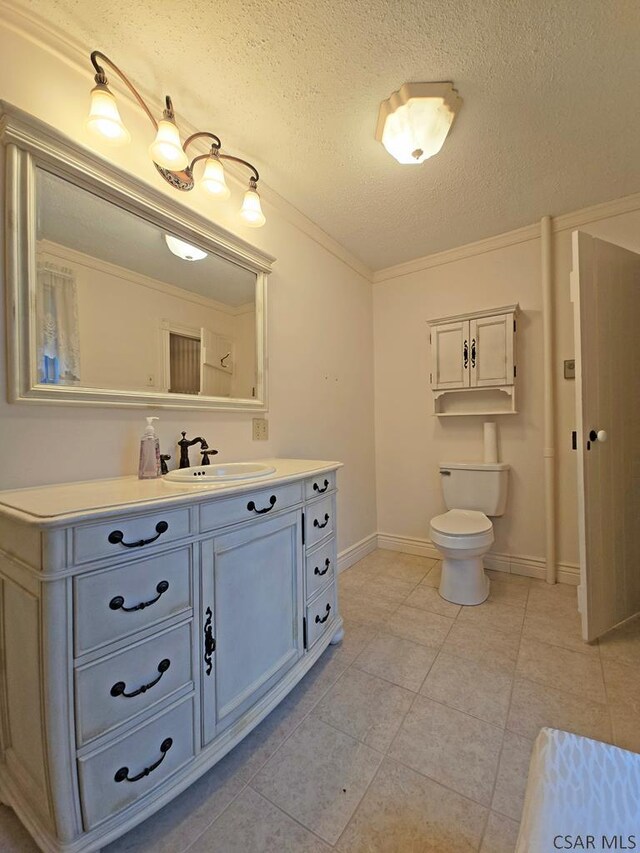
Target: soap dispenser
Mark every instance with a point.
(149, 467)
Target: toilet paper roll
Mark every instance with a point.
(490, 442)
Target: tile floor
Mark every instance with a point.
(413, 735)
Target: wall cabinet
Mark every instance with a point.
(473, 369)
(131, 664)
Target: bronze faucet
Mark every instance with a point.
(184, 444)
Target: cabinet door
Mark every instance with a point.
(253, 608)
(450, 355)
(491, 351)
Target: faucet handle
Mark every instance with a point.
(164, 458)
(206, 453)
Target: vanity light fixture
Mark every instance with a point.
(413, 122)
(184, 250)
(168, 153)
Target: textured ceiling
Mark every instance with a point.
(549, 122)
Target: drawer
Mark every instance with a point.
(123, 535)
(248, 505)
(115, 777)
(115, 689)
(320, 567)
(321, 613)
(317, 486)
(113, 603)
(319, 520)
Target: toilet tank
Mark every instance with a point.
(475, 485)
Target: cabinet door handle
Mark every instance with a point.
(317, 524)
(120, 687)
(117, 602)
(319, 621)
(317, 571)
(465, 354)
(209, 641)
(122, 774)
(116, 536)
(252, 507)
(316, 487)
(473, 352)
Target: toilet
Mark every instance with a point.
(464, 534)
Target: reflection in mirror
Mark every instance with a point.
(123, 305)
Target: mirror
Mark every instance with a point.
(126, 297)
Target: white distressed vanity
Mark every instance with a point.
(147, 627)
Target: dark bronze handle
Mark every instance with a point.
(473, 353)
(252, 507)
(117, 602)
(317, 571)
(316, 487)
(122, 774)
(116, 536)
(319, 621)
(209, 641)
(317, 524)
(119, 687)
(465, 354)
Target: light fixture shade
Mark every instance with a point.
(104, 119)
(184, 250)
(251, 210)
(166, 149)
(414, 122)
(213, 179)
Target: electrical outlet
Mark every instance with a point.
(260, 429)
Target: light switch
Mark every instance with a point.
(570, 368)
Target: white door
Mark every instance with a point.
(450, 355)
(605, 290)
(491, 351)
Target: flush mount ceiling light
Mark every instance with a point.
(184, 250)
(413, 122)
(168, 153)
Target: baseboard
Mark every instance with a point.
(356, 552)
(516, 564)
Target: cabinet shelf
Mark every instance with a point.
(475, 401)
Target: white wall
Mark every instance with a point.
(320, 325)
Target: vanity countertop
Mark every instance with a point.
(52, 505)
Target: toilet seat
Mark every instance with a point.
(461, 528)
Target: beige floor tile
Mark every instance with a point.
(622, 682)
(398, 660)
(433, 576)
(508, 577)
(536, 705)
(421, 626)
(428, 598)
(552, 599)
(477, 689)
(389, 588)
(351, 581)
(254, 825)
(365, 707)
(626, 727)
(564, 631)
(407, 567)
(505, 590)
(500, 835)
(404, 812)
(450, 747)
(623, 644)
(508, 797)
(561, 668)
(356, 638)
(483, 645)
(493, 614)
(14, 838)
(318, 777)
(365, 609)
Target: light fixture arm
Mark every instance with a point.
(215, 149)
(256, 174)
(101, 77)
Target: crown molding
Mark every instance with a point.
(75, 55)
(605, 210)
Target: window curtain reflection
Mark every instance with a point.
(58, 328)
(184, 358)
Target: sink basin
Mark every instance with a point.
(209, 475)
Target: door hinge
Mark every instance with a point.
(431, 378)
(303, 528)
(574, 439)
(515, 370)
(514, 325)
(304, 631)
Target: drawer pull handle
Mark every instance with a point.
(122, 774)
(319, 621)
(116, 536)
(209, 641)
(120, 687)
(317, 571)
(316, 487)
(252, 507)
(117, 602)
(317, 524)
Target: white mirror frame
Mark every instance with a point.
(29, 144)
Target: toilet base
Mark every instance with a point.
(464, 581)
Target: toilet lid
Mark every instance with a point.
(460, 522)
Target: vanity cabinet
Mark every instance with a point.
(147, 629)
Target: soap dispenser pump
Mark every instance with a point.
(149, 467)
